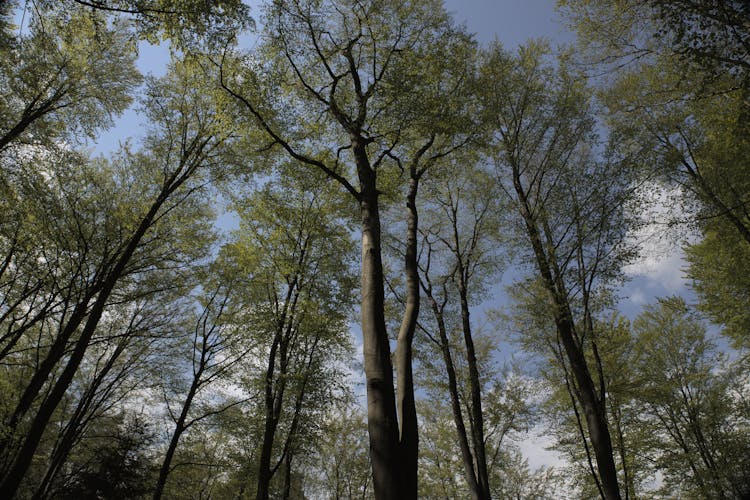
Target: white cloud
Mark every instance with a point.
(535, 448)
(660, 268)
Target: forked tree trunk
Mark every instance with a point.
(382, 422)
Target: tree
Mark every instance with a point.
(695, 407)
(363, 80)
(711, 37)
(342, 461)
(616, 352)
(66, 76)
(118, 365)
(570, 203)
(677, 101)
(117, 466)
(190, 143)
(56, 83)
(294, 255)
(456, 264)
(183, 24)
(508, 415)
(215, 350)
(716, 265)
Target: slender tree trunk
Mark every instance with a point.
(458, 419)
(29, 116)
(76, 424)
(594, 409)
(21, 464)
(275, 385)
(18, 469)
(45, 368)
(269, 428)
(179, 429)
(286, 494)
(477, 421)
(574, 401)
(407, 412)
(382, 422)
(627, 479)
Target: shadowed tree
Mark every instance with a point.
(186, 141)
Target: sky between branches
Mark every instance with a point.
(512, 22)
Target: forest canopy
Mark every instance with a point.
(425, 267)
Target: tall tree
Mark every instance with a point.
(119, 363)
(294, 255)
(570, 205)
(693, 401)
(215, 350)
(62, 76)
(458, 258)
(562, 411)
(677, 98)
(350, 88)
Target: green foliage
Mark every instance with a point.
(107, 231)
(508, 416)
(341, 463)
(694, 397)
(65, 77)
(406, 88)
(181, 22)
(115, 464)
(577, 193)
(398, 90)
(677, 105)
(717, 265)
(292, 265)
(706, 37)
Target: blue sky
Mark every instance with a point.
(512, 22)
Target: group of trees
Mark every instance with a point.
(144, 352)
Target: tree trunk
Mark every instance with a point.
(286, 494)
(458, 419)
(407, 412)
(593, 408)
(45, 368)
(269, 428)
(274, 396)
(76, 424)
(477, 420)
(382, 422)
(179, 429)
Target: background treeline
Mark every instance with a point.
(390, 178)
